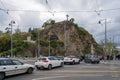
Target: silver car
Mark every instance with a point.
(12, 66)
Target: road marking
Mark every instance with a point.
(90, 66)
(85, 71)
(50, 77)
(113, 69)
(47, 78)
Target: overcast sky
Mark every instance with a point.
(32, 13)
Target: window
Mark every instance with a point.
(40, 59)
(50, 58)
(16, 62)
(5, 62)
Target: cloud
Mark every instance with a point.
(87, 20)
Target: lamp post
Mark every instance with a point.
(11, 25)
(64, 40)
(49, 44)
(39, 43)
(105, 35)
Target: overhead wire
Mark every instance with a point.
(6, 11)
(60, 11)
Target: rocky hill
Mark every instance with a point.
(76, 39)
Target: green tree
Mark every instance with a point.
(72, 20)
(1, 32)
(29, 30)
(52, 21)
(4, 42)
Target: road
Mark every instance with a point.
(83, 71)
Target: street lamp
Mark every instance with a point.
(105, 35)
(49, 45)
(39, 43)
(11, 25)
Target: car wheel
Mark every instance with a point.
(62, 64)
(98, 62)
(2, 76)
(73, 62)
(49, 66)
(30, 70)
(37, 67)
(78, 62)
(41, 67)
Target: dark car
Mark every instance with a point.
(91, 59)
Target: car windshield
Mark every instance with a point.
(40, 59)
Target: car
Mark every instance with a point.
(60, 57)
(72, 59)
(91, 59)
(10, 67)
(48, 63)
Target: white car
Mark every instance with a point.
(12, 67)
(48, 62)
(71, 59)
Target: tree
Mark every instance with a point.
(1, 32)
(17, 30)
(4, 42)
(50, 21)
(72, 20)
(29, 30)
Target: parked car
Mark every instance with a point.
(91, 59)
(101, 57)
(48, 62)
(60, 57)
(72, 59)
(12, 67)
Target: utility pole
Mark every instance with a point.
(49, 44)
(11, 25)
(39, 43)
(65, 50)
(105, 20)
(67, 16)
(64, 39)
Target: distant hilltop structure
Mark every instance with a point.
(29, 40)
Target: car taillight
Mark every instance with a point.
(45, 60)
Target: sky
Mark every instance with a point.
(87, 14)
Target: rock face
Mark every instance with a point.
(77, 39)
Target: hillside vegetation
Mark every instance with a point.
(78, 41)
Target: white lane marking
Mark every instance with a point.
(112, 68)
(90, 66)
(47, 78)
(85, 71)
(50, 77)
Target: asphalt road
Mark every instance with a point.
(83, 71)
